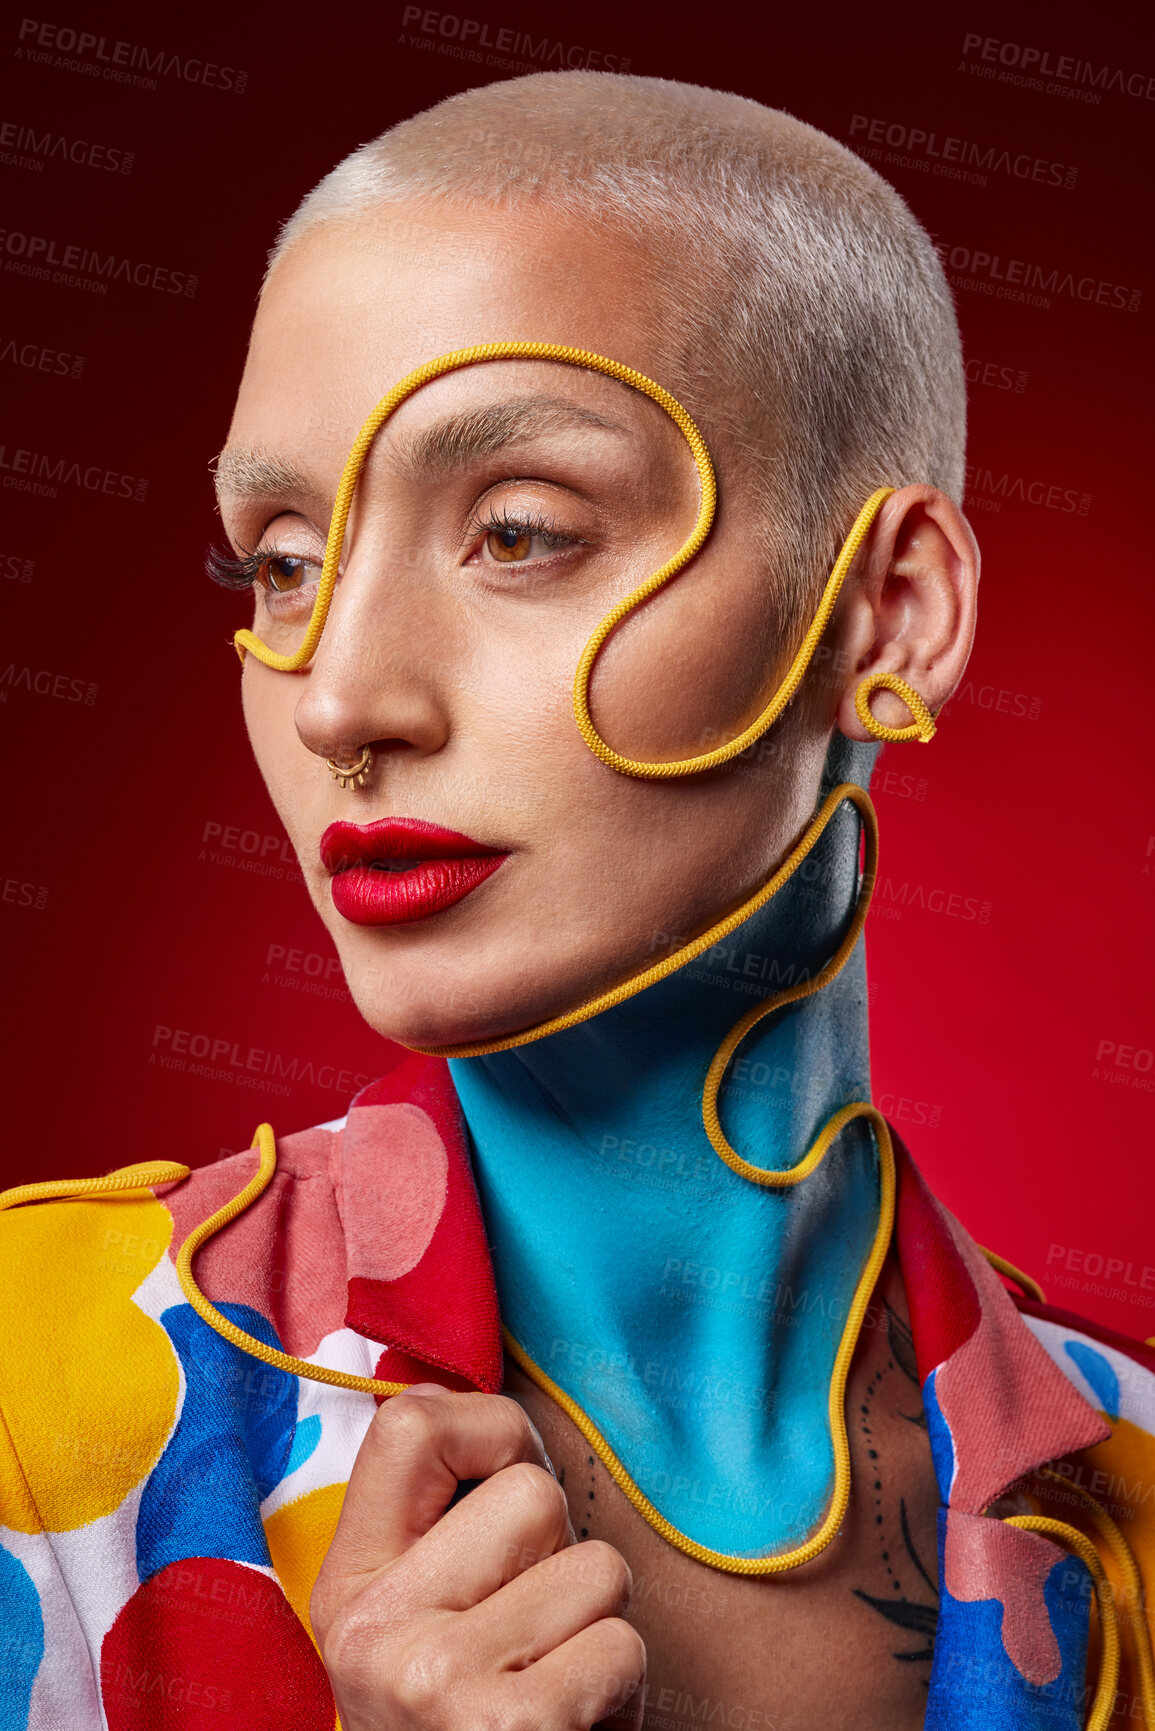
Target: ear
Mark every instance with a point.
(912, 609)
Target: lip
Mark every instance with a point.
(447, 866)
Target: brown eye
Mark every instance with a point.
(284, 573)
(509, 544)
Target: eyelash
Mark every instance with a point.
(527, 524)
(232, 572)
(241, 572)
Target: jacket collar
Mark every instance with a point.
(997, 1406)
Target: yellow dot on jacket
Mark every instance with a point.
(298, 1536)
(88, 1382)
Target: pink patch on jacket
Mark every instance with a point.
(285, 1255)
(391, 1172)
(986, 1559)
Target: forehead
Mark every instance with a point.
(354, 306)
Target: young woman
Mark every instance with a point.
(610, 1356)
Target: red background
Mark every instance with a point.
(1013, 1031)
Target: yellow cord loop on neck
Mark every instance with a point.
(792, 995)
(836, 1403)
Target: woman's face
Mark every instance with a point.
(502, 511)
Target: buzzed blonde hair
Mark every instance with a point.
(806, 309)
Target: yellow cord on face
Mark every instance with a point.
(783, 695)
(1106, 1689)
(246, 641)
(423, 375)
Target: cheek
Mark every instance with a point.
(688, 669)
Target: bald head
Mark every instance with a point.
(804, 305)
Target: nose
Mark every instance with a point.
(383, 667)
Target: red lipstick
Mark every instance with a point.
(400, 869)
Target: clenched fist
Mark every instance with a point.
(486, 1616)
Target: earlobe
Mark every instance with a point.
(909, 629)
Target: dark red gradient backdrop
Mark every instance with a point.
(150, 905)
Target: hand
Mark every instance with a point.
(482, 1617)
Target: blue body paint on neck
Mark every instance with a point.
(695, 1316)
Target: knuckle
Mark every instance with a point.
(605, 1568)
(421, 1679)
(410, 1425)
(624, 1649)
(538, 1498)
(343, 1646)
(323, 1602)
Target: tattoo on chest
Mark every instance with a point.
(905, 1605)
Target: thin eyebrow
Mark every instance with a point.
(445, 448)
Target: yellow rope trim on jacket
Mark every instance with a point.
(124, 1181)
(840, 1496)
(423, 375)
(1128, 1566)
(1024, 1282)
(1106, 1689)
(265, 1143)
(847, 790)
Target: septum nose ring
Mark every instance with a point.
(352, 774)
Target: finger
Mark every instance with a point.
(553, 1600)
(505, 1526)
(584, 1680)
(418, 1447)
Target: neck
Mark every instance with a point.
(690, 1316)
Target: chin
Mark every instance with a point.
(421, 1010)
